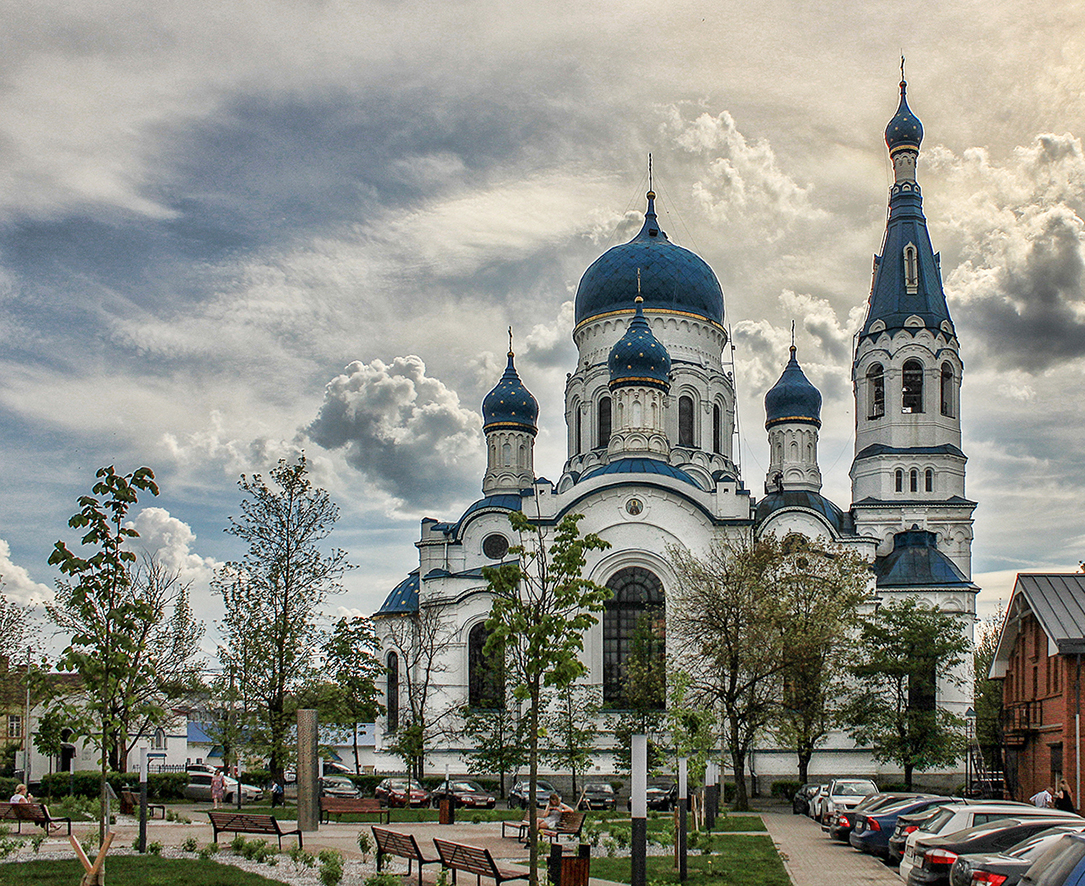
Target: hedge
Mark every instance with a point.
(785, 789)
(160, 785)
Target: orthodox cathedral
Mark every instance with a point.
(650, 418)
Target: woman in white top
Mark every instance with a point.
(20, 795)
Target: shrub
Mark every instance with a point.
(208, 851)
(8, 846)
(160, 785)
(154, 848)
(256, 850)
(785, 789)
(36, 842)
(305, 859)
(365, 845)
(189, 845)
(237, 844)
(331, 867)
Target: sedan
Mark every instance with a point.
(872, 829)
(401, 792)
(199, 788)
(598, 795)
(663, 799)
(1007, 868)
(464, 793)
(844, 793)
(1062, 865)
(339, 786)
(843, 821)
(800, 803)
(518, 796)
(934, 856)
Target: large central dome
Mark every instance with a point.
(671, 278)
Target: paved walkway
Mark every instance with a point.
(812, 859)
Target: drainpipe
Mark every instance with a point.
(1077, 724)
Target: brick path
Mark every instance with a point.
(812, 859)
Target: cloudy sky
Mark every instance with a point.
(231, 231)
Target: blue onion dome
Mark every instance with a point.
(671, 278)
(793, 398)
(638, 358)
(510, 404)
(904, 130)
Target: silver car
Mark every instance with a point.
(199, 788)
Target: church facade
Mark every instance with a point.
(650, 418)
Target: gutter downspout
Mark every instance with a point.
(1077, 723)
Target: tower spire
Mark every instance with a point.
(510, 341)
(650, 182)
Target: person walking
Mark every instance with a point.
(1041, 799)
(218, 787)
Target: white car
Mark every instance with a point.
(844, 793)
(955, 817)
(813, 808)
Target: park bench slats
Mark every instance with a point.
(337, 806)
(569, 825)
(7, 813)
(474, 860)
(402, 846)
(521, 827)
(249, 823)
(37, 813)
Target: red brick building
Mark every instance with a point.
(1038, 660)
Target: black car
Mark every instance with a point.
(1007, 868)
(519, 794)
(1062, 865)
(663, 799)
(464, 793)
(598, 795)
(939, 853)
(800, 803)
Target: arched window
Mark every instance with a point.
(506, 454)
(604, 422)
(914, 481)
(929, 480)
(947, 390)
(485, 673)
(900, 480)
(391, 701)
(634, 632)
(717, 428)
(911, 268)
(876, 384)
(911, 396)
(685, 421)
(158, 742)
(578, 435)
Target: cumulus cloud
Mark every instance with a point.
(404, 430)
(743, 181)
(16, 583)
(1022, 278)
(171, 540)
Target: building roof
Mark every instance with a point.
(638, 357)
(793, 397)
(916, 562)
(510, 404)
(402, 599)
(670, 278)
(876, 449)
(641, 466)
(197, 733)
(904, 130)
(1057, 599)
(803, 499)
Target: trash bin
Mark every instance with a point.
(448, 810)
(568, 870)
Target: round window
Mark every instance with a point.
(495, 546)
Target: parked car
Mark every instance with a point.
(935, 855)
(339, 786)
(813, 808)
(1062, 865)
(199, 788)
(800, 803)
(660, 798)
(955, 817)
(872, 829)
(401, 792)
(1007, 868)
(464, 793)
(331, 767)
(843, 793)
(843, 820)
(518, 796)
(598, 795)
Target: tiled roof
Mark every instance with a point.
(916, 562)
(641, 466)
(799, 498)
(404, 597)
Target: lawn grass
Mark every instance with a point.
(743, 823)
(752, 861)
(133, 870)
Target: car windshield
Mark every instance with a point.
(466, 786)
(599, 788)
(854, 788)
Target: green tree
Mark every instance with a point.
(644, 692)
(728, 615)
(571, 727)
(987, 692)
(49, 739)
(496, 738)
(272, 596)
(692, 727)
(351, 660)
(14, 626)
(905, 649)
(542, 605)
(822, 587)
(94, 598)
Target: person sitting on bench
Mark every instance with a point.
(548, 821)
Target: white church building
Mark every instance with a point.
(650, 418)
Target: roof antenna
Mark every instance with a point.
(792, 335)
(510, 341)
(650, 188)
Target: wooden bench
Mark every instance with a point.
(337, 806)
(249, 823)
(521, 827)
(569, 825)
(37, 813)
(402, 846)
(474, 860)
(129, 802)
(7, 813)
